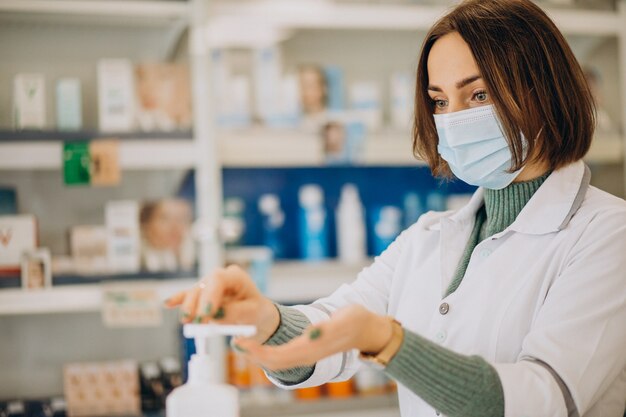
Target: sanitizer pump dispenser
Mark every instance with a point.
(205, 394)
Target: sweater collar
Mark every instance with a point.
(551, 207)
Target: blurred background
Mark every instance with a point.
(144, 143)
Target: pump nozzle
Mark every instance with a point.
(200, 363)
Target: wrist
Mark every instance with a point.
(269, 321)
(380, 332)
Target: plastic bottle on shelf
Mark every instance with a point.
(313, 228)
(273, 221)
(386, 228)
(351, 243)
(203, 394)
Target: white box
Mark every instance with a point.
(69, 104)
(29, 101)
(17, 235)
(116, 95)
(124, 242)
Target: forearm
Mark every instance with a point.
(292, 324)
(456, 385)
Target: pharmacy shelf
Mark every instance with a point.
(290, 283)
(251, 148)
(316, 14)
(275, 148)
(291, 148)
(116, 13)
(135, 154)
(362, 406)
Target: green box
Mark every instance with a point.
(76, 163)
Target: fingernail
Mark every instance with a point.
(239, 348)
(207, 309)
(219, 313)
(315, 334)
(198, 319)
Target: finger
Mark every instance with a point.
(175, 300)
(204, 307)
(189, 305)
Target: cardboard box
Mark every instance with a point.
(124, 242)
(29, 101)
(116, 95)
(17, 235)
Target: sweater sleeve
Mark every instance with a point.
(292, 324)
(454, 384)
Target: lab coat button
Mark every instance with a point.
(438, 413)
(440, 336)
(485, 253)
(444, 308)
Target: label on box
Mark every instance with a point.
(76, 163)
(126, 306)
(17, 235)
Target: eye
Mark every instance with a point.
(439, 104)
(481, 96)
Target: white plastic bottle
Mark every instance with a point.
(204, 394)
(313, 223)
(351, 243)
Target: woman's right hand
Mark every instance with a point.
(229, 296)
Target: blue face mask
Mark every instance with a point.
(472, 143)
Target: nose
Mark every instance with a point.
(454, 106)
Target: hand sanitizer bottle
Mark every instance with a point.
(204, 394)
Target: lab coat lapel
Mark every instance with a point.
(455, 232)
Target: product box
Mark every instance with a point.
(29, 101)
(8, 200)
(366, 104)
(116, 95)
(88, 246)
(102, 389)
(123, 236)
(69, 104)
(401, 88)
(17, 235)
(163, 96)
(105, 162)
(76, 163)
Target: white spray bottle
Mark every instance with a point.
(204, 394)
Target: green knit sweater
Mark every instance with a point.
(452, 383)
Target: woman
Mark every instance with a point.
(512, 306)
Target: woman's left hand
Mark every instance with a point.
(352, 327)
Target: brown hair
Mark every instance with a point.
(534, 81)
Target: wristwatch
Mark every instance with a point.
(381, 359)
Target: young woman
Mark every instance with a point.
(514, 305)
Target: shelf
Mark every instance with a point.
(374, 405)
(101, 12)
(135, 154)
(290, 283)
(290, 148)
(287, 15)
(241, 149)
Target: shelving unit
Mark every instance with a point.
(208, 151)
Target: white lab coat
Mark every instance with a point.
(544, 301)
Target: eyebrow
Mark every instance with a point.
(459, 84)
